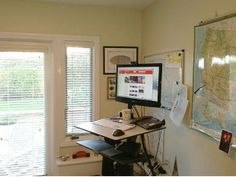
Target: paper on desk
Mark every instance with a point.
(178, 110)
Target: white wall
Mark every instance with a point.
(169, 25)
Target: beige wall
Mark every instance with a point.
(169, 25)
(166, 25)
(114, 26)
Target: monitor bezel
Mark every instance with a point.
(132, 101)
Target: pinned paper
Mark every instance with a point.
(180, 105)
(178, 110)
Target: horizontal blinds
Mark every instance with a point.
(78, 87)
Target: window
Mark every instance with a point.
(79, 86)
(22, 113)
(34, 99)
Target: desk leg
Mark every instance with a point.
(107, 167)
(146, 156)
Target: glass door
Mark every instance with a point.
(22, 113)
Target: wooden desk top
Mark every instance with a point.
(107, 132)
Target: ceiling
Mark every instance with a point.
(135, 4)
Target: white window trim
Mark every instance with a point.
(14, 43)
(96, 70)
(56, 78)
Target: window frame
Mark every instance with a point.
(24, 42)
(86, 44)
(56, 83)
(85, 41)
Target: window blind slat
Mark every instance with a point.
(79, 87)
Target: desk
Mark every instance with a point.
(107, 133)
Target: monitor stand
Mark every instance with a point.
(130, 107)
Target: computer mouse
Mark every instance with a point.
(118, 132)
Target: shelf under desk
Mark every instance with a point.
(124, 158)
(95, 145)
(107, 133)
(110, 152)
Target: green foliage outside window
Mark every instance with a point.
(19, 83)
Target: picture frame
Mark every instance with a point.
(111, 88)
(225, 141)
(113, 55)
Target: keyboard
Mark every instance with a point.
(113, 125)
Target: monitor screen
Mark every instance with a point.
(139, 84)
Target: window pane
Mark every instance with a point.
(22, 116)
(79, 87)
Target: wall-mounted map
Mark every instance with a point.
(214, 87)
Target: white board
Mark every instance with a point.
(172, 73)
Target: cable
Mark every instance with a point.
(142, 168)
(148, 143)
(163, 146)
(161, 164)
(136, 111)
(158, 144)
(142, 111)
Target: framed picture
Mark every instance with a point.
(225, 141)
(111, 88)
(118, 55)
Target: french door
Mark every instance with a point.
(22, 113)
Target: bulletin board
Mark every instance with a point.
(172, 73)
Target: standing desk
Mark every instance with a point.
(99, 146)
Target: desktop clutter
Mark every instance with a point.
(126, 118)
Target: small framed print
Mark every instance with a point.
(114, 55)
(111, 88)
(225, 141)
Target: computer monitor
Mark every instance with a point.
(139, 84)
